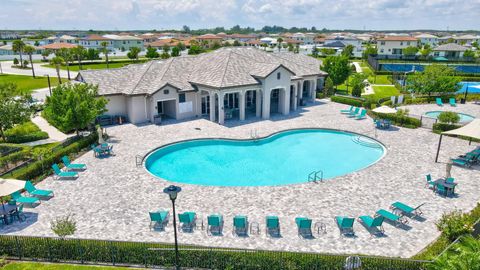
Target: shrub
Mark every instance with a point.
(26, 132)
(347, 100)
(401, 119)
(448, 117)
(64, 226)
(455, 224)
(441, 127)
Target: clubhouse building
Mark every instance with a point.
(229, 83)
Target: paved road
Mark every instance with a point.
(39, 70)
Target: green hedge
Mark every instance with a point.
(441, 127)
(41, 167)
(26, 132)
(23, 153)
(191, 257)
(348, 101)
(402, 121)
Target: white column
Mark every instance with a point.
(286, 101)
(314, 89)
(212, 106)
(266, 104)
(294, 98)
(241, 96)
(221, 112)
(258, 105)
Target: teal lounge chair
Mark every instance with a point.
(398, 220)
(71, 166)
(214, 224)
(439, 101)
(354, 112)
(158, 219)
(345, 224)
(406, 209)
(430, 183)
(187, 221)
(32, 190)
(453, 102)
(304, 227)
(21, 199)
(361, 115)
(462, 162)
(373, 223)
(240, 226)
(272, 226)
(347, 111)
(60, 174)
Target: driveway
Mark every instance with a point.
(39, 70)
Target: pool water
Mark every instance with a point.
(403, 67)
(473, 87)
(284, 158)
(463, 117)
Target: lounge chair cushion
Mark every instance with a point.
(388, 215)
(272, 222)
(240, 221)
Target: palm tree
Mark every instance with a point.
(18, 46)
(30, 50)
(105, 50)
(279, 41)
(79, 53)
(67, 56)
(57, 61)
(45, 54)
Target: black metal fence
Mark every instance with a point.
(142, 254)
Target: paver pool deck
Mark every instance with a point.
(112, 198)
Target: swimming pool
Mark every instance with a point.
(404, 67)
(473, 87)
(463, 116)
(286, 157)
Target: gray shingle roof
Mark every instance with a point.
(227, 67)
(451, 47)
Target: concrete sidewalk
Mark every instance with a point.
(53, 133)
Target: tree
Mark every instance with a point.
(57, 61)
(45, 54)
(368, 51)
(195, 49)
(264, 45)
(425, 52)
(216, 45)
(25, 63)
(64, 226)
(448, 117)
(327, 51)
(15, 61)
(133, 53)
(464, 255)
(18, 46)
(348, 50)
(79, 53)
(166, 48)
(66, 55)
(279, 43)
(105, 51)
(152, 53)
(290, 47)
(36, 43)
(93, 54)
(186, 29)
(435, 78)
(236, 43)
(329, 87)
(338, 68)
(410, 51)
(469, 54)
(29, 50)
(175, 51)
(181, 46)
(357, 81)
(165, 55)
(315, 52)
(13, 108)
(74, 106)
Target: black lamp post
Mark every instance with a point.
(49, 85)
(172, 192)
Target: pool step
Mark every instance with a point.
(315, 176)
(365, 142)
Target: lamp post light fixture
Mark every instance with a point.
(172, 192)
(49, 85)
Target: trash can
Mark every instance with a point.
(462, 101)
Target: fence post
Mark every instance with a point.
(112, 252)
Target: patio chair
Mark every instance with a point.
(19, 214)
(96, 151)
(21, 199)
(345, 224)
(214, 224)
(347, 111)
(32, 190)
(158, 219)
(398, 220)
(71, 166)
(453, 102)
(406, 209)
(60, 174)
(272, 226)
(439, 101)
(450, 180)
(304, 227)
(441, 190)
(240, 226)
(373, 223)
(187, 221)
(361, 115)
(354, 112)
(430, 183)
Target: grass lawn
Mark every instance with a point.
(47, 266)
(27, 83)
(91, 66)
(384, 91)
(380, 79)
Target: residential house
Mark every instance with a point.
(394, 45)
(209, 39)
(67, 39)
(466, 39)
(345, 40)
(58, 46)
(95, 42)
(124, 43)
(449, 50)
(170, 42)
(229, 83)
(240, 37)
(427, 39)
(306, 39)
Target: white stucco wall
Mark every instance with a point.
(169, 93)
(136, 109)
(116, 105)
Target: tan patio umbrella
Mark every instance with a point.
(470, 130)
(385, 109)
(9, 186)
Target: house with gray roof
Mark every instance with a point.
(229, 83)
(449, 50)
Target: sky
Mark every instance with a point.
(173, 14)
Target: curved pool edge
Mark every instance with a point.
(145, 157)
(425, 114)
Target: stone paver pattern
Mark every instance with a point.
(112, 198)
